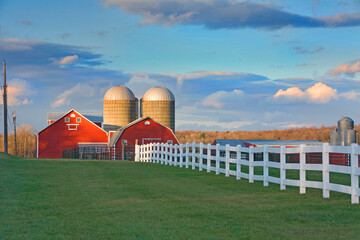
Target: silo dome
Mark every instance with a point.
(159, 104)
(345, 123)
(120, 106)
(159, 94)
(119, 93)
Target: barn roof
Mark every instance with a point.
(94, 117)
(235, 142)
(63, 114)
(115, 137)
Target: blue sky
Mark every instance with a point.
(232, 65)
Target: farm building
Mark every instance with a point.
(335, 158)
(260, 143)
(143, 131)
(120, 126)
(69, 131)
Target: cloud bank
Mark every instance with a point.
(228, 14)
(346, 68)
(319, 93)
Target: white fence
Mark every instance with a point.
(229, 160)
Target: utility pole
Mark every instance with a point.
(14, 118)
(5, 111)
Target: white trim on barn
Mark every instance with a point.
(77, 113)
(144, 139)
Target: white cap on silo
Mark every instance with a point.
(159, 94)
(119, 93)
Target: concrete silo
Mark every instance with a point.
(344, 134)
(159, 104)
(120, 107)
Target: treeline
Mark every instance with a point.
(307, 133)
(25, 140)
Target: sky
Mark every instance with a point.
(232, 65)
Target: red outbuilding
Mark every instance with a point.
(143, 131)
(69, 131)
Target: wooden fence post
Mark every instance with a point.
(251, 164)
(137, 153)
(152, 149)
(193, 150)
(325, 173)
(181, 149)
(162, 153)
(266, 165)
(217, 163)
(174, 154)
(354, 176)
(187, 155)
(282, 168)
(158, 152)
(166, 153)
(208, 162)
(142, 153)
(302, 170)
(201, 156)
(238, 163)
(227, 159)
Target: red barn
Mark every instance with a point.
(69, 131)
(144, 130)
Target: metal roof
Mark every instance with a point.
(119, 93)
(158, 94)
(347, 119)
(94, 117)
(235, 142)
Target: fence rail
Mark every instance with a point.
(229, 160)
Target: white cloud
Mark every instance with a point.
(80, 90)
(17, 92)
(13, 44)
(294, 125)
(346, 68)
(318, 93)
(182, 77)
(230, 14)
(351, 95)
(221, 98)
(293, 93)
(139, 83)
(210, 124)
(64, 60)
(321, 93)
(68, 60)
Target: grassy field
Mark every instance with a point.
(73, 199)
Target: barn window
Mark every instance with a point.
(170, 142)
(78, 120)
(67, 119)
(124, 142)
(72, 115)
(72, 126)
(147, 123)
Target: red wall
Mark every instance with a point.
(140, 131)
(57, 137)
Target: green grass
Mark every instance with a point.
(71, 199)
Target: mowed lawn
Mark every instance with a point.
(77, 199)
